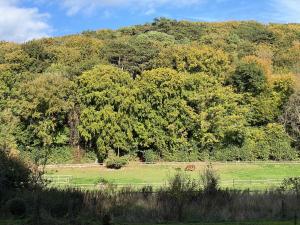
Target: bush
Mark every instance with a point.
(184, 155)
(14, 173)
(265, 143)
(17, 207)
(147, 191)
(210, 180)
(230, 153)
(116, 162)
(65, 155)
(181, 190)
(280, 143)
(291, 184)
(249, 77)
(150, 156)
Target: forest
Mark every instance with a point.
(166, 90)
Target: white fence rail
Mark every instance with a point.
(58, 179)
(66, 181)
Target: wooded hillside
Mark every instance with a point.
(171, 90)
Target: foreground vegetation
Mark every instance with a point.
(258, 176)
(21, 222)
(24, 195)
(238, 223)
(170, 90)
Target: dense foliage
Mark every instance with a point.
(14, 174)
(171, 90)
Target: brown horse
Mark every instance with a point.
(190, 168)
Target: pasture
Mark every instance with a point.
(255, 176)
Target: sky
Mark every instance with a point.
(24, 20)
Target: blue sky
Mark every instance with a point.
(22, 20)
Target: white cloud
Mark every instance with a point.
(21, 24)
(287, 10)
(146, 6)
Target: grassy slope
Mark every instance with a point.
(159, 174)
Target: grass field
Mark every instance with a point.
(233, 175)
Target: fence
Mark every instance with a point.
(258, 184)
(70, 181)
(57, 180)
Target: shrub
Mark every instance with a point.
(210, 181)
(181, 190)
(14, 173)
(280, 143)
(249, 77)
(116, 162)
(230, 153)
(61, 155)
(17, 207)
(150, 156)
(264, 143)
(147, 191)
(291, 184)
(184, 155)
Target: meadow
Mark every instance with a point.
(255, 176)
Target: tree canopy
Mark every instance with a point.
(177, 89)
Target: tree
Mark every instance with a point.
(8, 131)
(105, 95)
(255, 32)
(195, 59)
(185, 116)
(291, 117)
(220, 116)
(43, 104)
(264, 108)
(40, 59)
(249, 77)
(137, 54)
(161, 112)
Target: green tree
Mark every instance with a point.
(291, 117)
(43, 104)
(136, 54)
(161, 113)
(40, 59)
(195, 59)
(8, 131)
(264, 108)
(105, 95)
(220, 116)
(249, 77)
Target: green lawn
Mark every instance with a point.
(253, 176)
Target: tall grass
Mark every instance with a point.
(182, 199)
